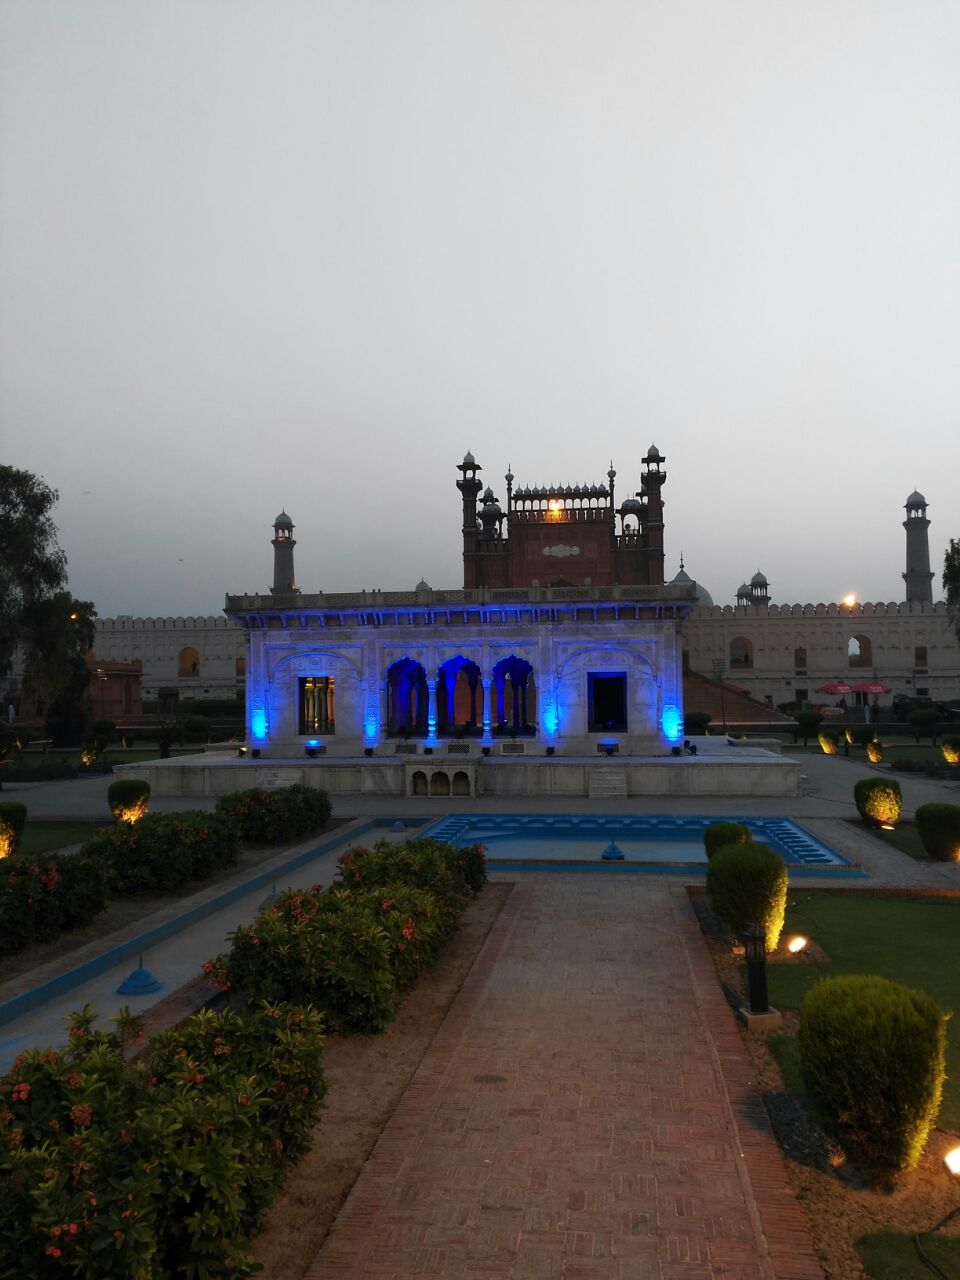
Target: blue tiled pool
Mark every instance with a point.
(592, 842)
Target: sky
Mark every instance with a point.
(301, 254)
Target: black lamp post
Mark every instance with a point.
(755, 951)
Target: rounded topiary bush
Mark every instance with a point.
(128, 799)
(872, 1054)
(808, 722)
(13, 818)
(939, 828)
(878, 801)
(950, 750)
(747, 884)
(717, 835)
(695, 723)
(874, 751)
(828, 742)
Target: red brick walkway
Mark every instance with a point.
(584, 1111)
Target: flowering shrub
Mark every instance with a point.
(13, 818)
(158, 1168)
(447, 872)
(275, 817)
(41, 896)
(324, 950)
(351, 953)
(141, 858)
(874, 751)
(164, 850)
(950, 750)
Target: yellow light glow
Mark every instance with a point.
(796, 944)
(850, 600)
(952, 1160)
(887, 826)
(131, 813)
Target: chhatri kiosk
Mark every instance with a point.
(555, 669)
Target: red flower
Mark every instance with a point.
(53, 1251)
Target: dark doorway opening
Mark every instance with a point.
(607, 700)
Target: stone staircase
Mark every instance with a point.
(606, 781)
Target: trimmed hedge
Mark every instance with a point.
(878, 800)
(717, 835)
(872, 1054)
(424, 863)
(939, 828)
(808, 722)
(13, 818)
(695, 722)
(128, 799)
(41, 896)
(159, 1168)
(747, 884)
(164, 850)
(350, 953)
(275, 817)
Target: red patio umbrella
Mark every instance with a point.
(872, 686)
(836, 687)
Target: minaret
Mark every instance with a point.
(284, 583)
(651, 482)
(918, 576)
(469, 486)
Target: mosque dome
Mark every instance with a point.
(631, 507)
(915, 500)
(422, 585)
(683, 579)
(759, 580)
(653, 454)
(469, 460)
(283, 521)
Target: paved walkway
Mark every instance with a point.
(585, 1111)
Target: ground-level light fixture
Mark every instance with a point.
(796, 944)
(952, 1160)
(755, 954)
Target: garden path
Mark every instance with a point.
(585, 1111)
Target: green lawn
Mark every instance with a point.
(42, 837)
(913, 941)
(890, 1255)
(906, 838)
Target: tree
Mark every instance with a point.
(951, 582)
(61, 632)
(32, 565)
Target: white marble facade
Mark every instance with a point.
(629, 636)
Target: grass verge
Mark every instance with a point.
(892, 1255)
(915, 941)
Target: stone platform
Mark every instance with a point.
(722, 771)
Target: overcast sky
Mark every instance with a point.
(304, 254)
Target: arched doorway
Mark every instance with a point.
(407, 699)
(514, 693)
(459, 698)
